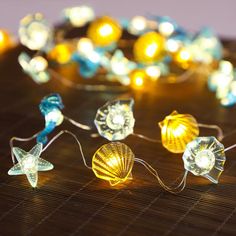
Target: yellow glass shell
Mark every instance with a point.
(6, 41)
(149, 47)
(177, 130)
(104, 31)
(61, 53)
(138, 78)
(113, 162)
(183, 58)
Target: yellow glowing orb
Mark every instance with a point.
(5, 41)
(138, 78)
(113, 162)
(104, 31)
(183, 58)
(177, 130)
(149, 47)
(61, 53)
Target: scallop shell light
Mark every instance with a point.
(177, 130)
(113, 162)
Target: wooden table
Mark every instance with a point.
(70, 200)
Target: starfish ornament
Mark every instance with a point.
(29, 163)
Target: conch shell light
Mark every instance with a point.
(113, 162)
(177, 130)
(115, 120)
(205, 156)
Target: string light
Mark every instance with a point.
(114, 120)
(61, 53)
(205, 156)
(113, 162)
(6, 41)
(36, 67)
(149, 47)
(29, 163)
(104, 31)
(79, 16)
(34, 32)
(177, 130)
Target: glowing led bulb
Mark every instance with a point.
(6, 41)
(29, 163)
(114, 120)
(55, 116)
(39, 63)
(177, 130)
(153, 72)
(104, 31)
(79, 16)
(183, 58)
(137, 25)
(149, 47)
(205, 156)
(34, 32)
(85, 46)
(120, 67)
(166, 28)
(113, 162)
(61, 53)
(35, 67)
(138, 78)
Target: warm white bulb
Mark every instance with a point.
(39, 63)
(166, 28)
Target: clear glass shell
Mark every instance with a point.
(177, 130)
(115, 120)
(205, 156)
(35, 67)
(113, 162)
(29, 163)
(34, 32)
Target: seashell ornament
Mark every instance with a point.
(113, 162)
(177, 130)
(205, 156)
(115, 120)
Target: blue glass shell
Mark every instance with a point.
(51, 102)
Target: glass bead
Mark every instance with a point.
(205, 156)
(113, 162)
(115, 120)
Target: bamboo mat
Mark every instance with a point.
(69, 200)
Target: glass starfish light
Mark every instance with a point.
(115, 120)
(205, 156)
(29, 163)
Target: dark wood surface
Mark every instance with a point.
(70, 200)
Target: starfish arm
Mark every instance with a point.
(15, 170)
(36, 150)
(44, 165)
(33, 179)
(19, 153)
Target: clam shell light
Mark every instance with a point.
(113, 162)
(205, 157)
(177, 130)
(115, 120)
